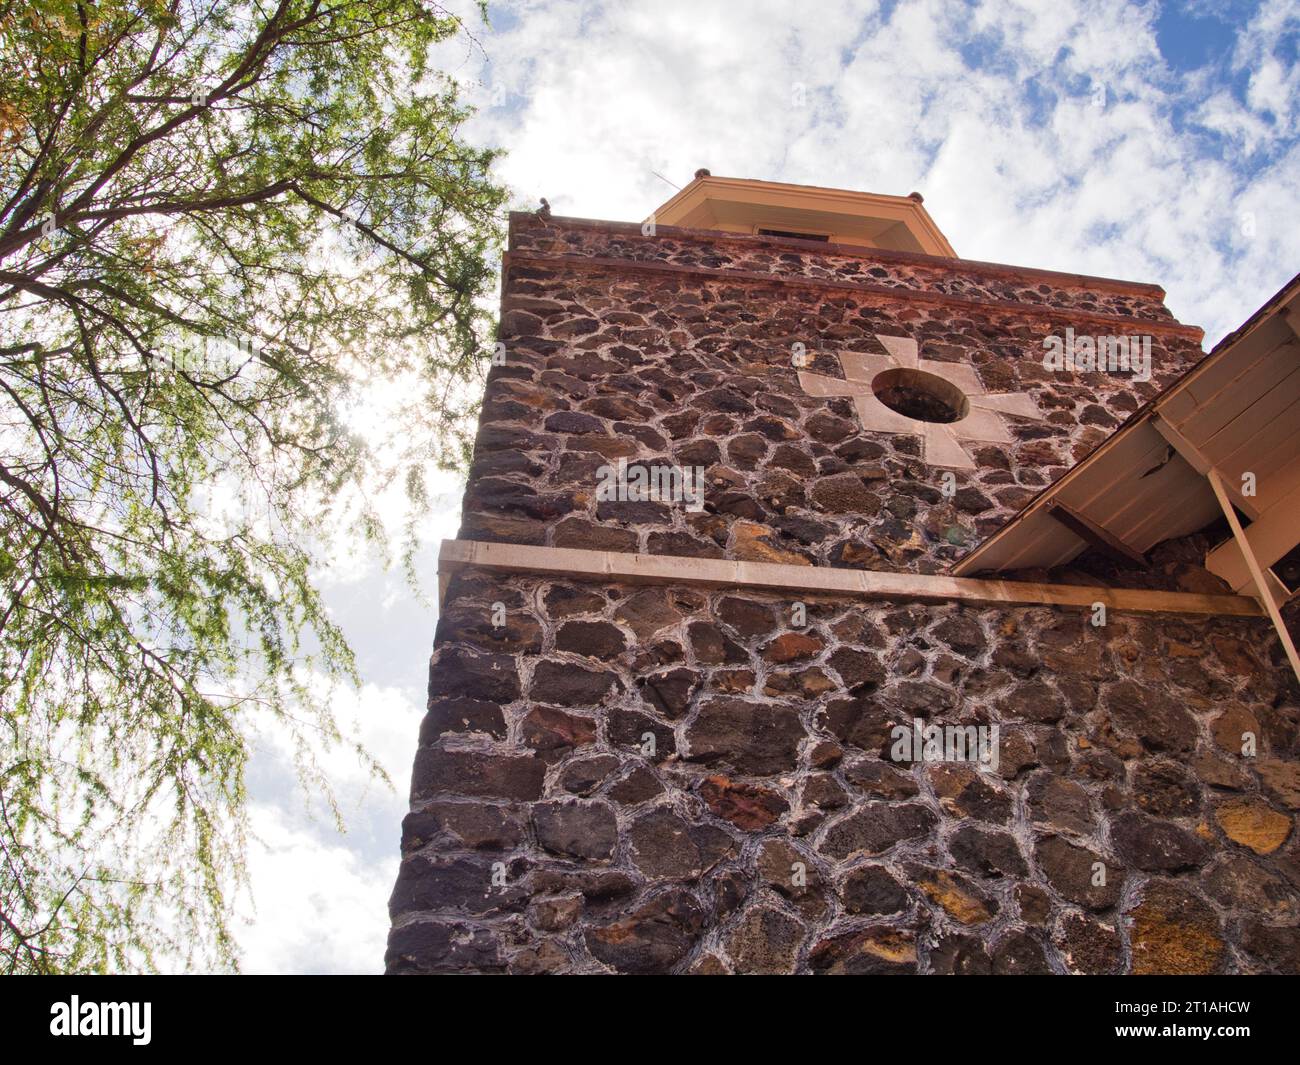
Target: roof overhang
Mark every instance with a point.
(1236, 414)
(737, 205)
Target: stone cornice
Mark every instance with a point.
(854, 251)
(1124, 323)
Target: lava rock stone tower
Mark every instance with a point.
(772, 490)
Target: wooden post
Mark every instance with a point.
(1256, 571)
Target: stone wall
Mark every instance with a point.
(671, 779)
(549, 835)
(605, 359)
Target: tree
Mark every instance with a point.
(218, 221)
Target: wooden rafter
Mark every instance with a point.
(1193, 456)
(1087, 529)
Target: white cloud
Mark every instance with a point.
(1274, 86)
(319, 898)
(321, 907)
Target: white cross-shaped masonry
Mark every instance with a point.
(941, 440)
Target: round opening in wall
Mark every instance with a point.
(925, 397)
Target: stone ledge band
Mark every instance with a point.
(581, 564)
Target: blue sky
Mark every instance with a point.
(1156, 142)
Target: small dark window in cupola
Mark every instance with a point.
(793, 236)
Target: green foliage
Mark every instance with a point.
(218, 223)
